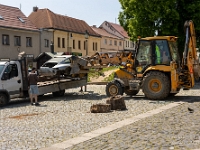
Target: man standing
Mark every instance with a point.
(33, 88)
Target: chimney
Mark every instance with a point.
(94, 26)
(35, 9)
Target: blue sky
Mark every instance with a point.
(94, 12)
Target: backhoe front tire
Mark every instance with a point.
(156, 85)
(113, 89)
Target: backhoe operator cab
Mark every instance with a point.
(153, 51)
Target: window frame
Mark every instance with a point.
(46, 43)
(17, 42)
(58, 42)
(63, 42)
(28, 41)
(74, 44)
(5, 41)
(79, 44)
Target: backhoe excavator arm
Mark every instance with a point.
(190, 61)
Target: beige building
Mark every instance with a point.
(117, 30)
(70, 35)
(17, 34)
(109, 42)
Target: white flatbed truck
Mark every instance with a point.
(14, 82)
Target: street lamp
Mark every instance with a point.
(86, 44)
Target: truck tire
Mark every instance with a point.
(58, 93)
(130, 92)
(156, 85)
(3, 99)
(113, 89)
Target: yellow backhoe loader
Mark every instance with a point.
(156, 67)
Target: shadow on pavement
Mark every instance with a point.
(90, 95)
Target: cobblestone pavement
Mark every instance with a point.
(174, 129)
(23, 126)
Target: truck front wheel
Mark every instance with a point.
(113, 89)
(3, 99)
(156, 85)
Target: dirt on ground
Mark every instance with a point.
(102, 77)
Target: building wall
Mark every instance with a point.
(128, 44)
(11, 51)
(111, 47)
(75, 43)
(105, 25)
(46, 36)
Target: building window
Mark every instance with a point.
(110, 42)
(115, 42)
(28, 42)
(46, 42)
(1, 18)
(79, 44)
(73, 44)
(63, 42)
(128, 43)
(21, 19)
(17, 40)
(85, 45)
(120, 43)
(5, 39)
(58, 42)
(105, 41)
(94, 46)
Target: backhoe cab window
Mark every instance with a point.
(143, 55)
(174, 51)
(162, 52)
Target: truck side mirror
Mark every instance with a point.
(5, 76)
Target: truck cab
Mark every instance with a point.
(11, 81)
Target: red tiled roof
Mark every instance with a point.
(44, 18)
(119, 28)
(11, 16)
(103, 32)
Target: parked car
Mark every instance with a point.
(57, 64)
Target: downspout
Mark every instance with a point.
(40, 41)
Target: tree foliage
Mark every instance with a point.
(149, 17)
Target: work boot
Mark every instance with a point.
(37, 104)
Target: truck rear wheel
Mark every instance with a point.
(113, 89)
(59, 93)
(130, 92)
(3, 99)
(156, 85)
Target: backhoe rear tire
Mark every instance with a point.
(156, 85)
(130, 92)
(114, 88)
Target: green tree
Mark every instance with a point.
(149, 17)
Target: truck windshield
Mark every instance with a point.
(1, 68)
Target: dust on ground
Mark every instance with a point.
(102, 77)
